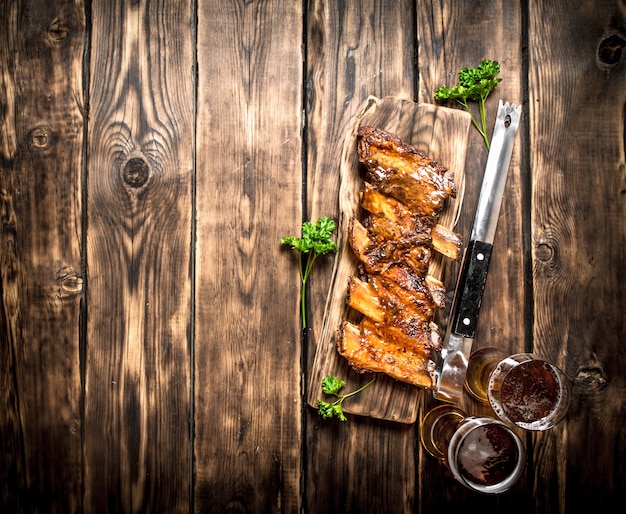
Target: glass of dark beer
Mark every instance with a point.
(522, 389)
(483, 453)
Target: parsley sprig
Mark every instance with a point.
(315, 241)
(331, 385)
(474, 84)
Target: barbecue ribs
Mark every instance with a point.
(402, 198)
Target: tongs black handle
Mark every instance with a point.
(470, 287)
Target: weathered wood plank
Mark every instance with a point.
(140, 178)
(577, 93)
(452, 35)
(247, 390)
(41, 139)
(355, 49)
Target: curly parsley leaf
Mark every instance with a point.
(474, 85)
(315, 241)
(331, 385)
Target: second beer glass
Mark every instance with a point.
(482, 453)
(523, 390)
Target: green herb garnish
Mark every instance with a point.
(332, 385)
(474, 84)
(315, 241)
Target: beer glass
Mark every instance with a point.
(523, 390)
(479, 366)
(482, 453)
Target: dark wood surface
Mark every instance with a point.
(152, 156)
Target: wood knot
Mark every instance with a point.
(40, 138)
(610, 49)
(591, 379)
(69, 281)
(136, 172)
(57, 32)
(543, 252)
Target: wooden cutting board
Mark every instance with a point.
(441, 133)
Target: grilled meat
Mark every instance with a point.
(402, 172)
(402, 198)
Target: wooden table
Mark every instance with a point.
(152, 156)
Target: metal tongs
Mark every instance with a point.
(457, 345)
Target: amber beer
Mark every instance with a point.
(481, 452)
(437, 428)
(480, 365)
(531, 393)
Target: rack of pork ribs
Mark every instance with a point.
(403, 195)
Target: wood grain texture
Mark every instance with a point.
(579, 241)
(249, 194)
(441, 134)
(140, 178)
(41, 138)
